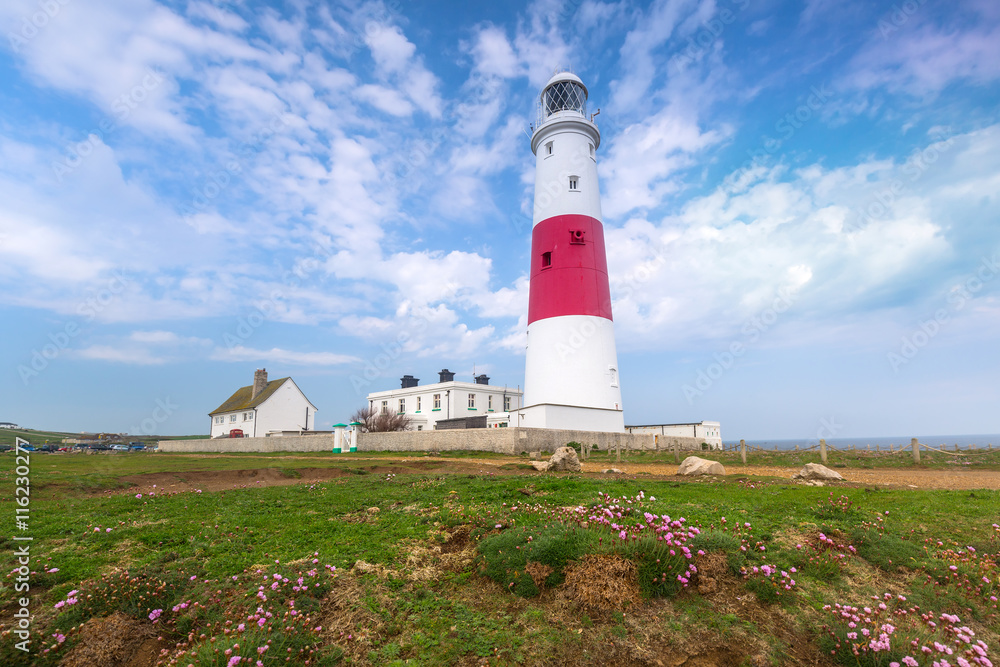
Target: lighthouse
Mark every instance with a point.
(571, 370)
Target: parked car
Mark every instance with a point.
(5, 448)
(136, 446)
(119, 448)
(28, 448)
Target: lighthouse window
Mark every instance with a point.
(614, 375)
(548, 148)
(591, 150)
(546, 260)
(572, 182)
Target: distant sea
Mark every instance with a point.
(942, 441)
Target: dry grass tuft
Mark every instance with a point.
(603, 582)
(538, 572)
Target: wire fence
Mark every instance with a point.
(914, 449)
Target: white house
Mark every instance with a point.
(264, 408)
(447, 399)
(8, 425)
(709, 432)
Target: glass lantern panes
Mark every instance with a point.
(565, 96)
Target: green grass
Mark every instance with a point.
(472, 613)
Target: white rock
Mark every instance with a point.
(693, 465)
(565, 459)
(817, 471)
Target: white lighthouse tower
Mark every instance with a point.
(571, 371)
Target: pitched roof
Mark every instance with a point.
(241, 399)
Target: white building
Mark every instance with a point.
(447, 399)
(264, 408)
(8, 425)
(708, 432)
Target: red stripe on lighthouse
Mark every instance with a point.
(569, 269)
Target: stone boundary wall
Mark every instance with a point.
(284, 443)
(511, 441)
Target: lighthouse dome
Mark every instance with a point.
(563, 92)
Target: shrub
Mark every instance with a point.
(504, 557)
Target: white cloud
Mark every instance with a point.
(844, 240)
(389, 47)
(137, 356)
(637, 56)
(493, 53)
(280, 356)
(385, 99)
(225, 20)
(154, 336)
(921, 59)
(644, 160)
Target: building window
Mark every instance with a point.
(614, 375)
(418, 403)
(247, 416)
(220, 420)
(437, 401)
(420, 428)
(489, 402)
(591, 150)
(546, 260)
(472, 401)
(548, 148)
(232, 418)
(506, 403)
(402, 405)
(385, 407)
(573, 180)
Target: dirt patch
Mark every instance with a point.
(115, 641)
(224, 480)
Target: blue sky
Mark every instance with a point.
(800, 201)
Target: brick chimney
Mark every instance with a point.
(259, 382)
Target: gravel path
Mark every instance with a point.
(889, 477)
